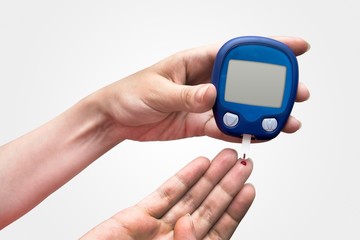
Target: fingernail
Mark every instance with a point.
(243, 162)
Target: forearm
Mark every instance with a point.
(38, 163)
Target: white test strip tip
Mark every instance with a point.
(245, 146)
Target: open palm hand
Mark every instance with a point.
(204, 200)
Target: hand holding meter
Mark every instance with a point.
(256, 80)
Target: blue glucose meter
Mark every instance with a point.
(256, 80)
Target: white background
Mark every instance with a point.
(53, 53)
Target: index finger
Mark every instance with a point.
(194, 66)
(199, 61)
(297, 45)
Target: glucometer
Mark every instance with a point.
(256, 80)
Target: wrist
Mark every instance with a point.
(102, 126)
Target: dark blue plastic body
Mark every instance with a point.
(255, 49)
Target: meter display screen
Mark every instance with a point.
(255, 83)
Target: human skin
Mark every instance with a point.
(204, 200)
(169, 100)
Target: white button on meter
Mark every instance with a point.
(230, 119)
(269, 124)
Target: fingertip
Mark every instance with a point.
(298, 45)
(247, 163)
(292, 125)
(195, 169)
(201, 162)
(303, 93)
(249, 192)
(229, 154)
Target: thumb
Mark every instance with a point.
(184, 228)
(197, 98)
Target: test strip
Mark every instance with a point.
(245, 146)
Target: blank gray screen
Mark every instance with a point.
(255, 83)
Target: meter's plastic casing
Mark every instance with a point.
(262, 121)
